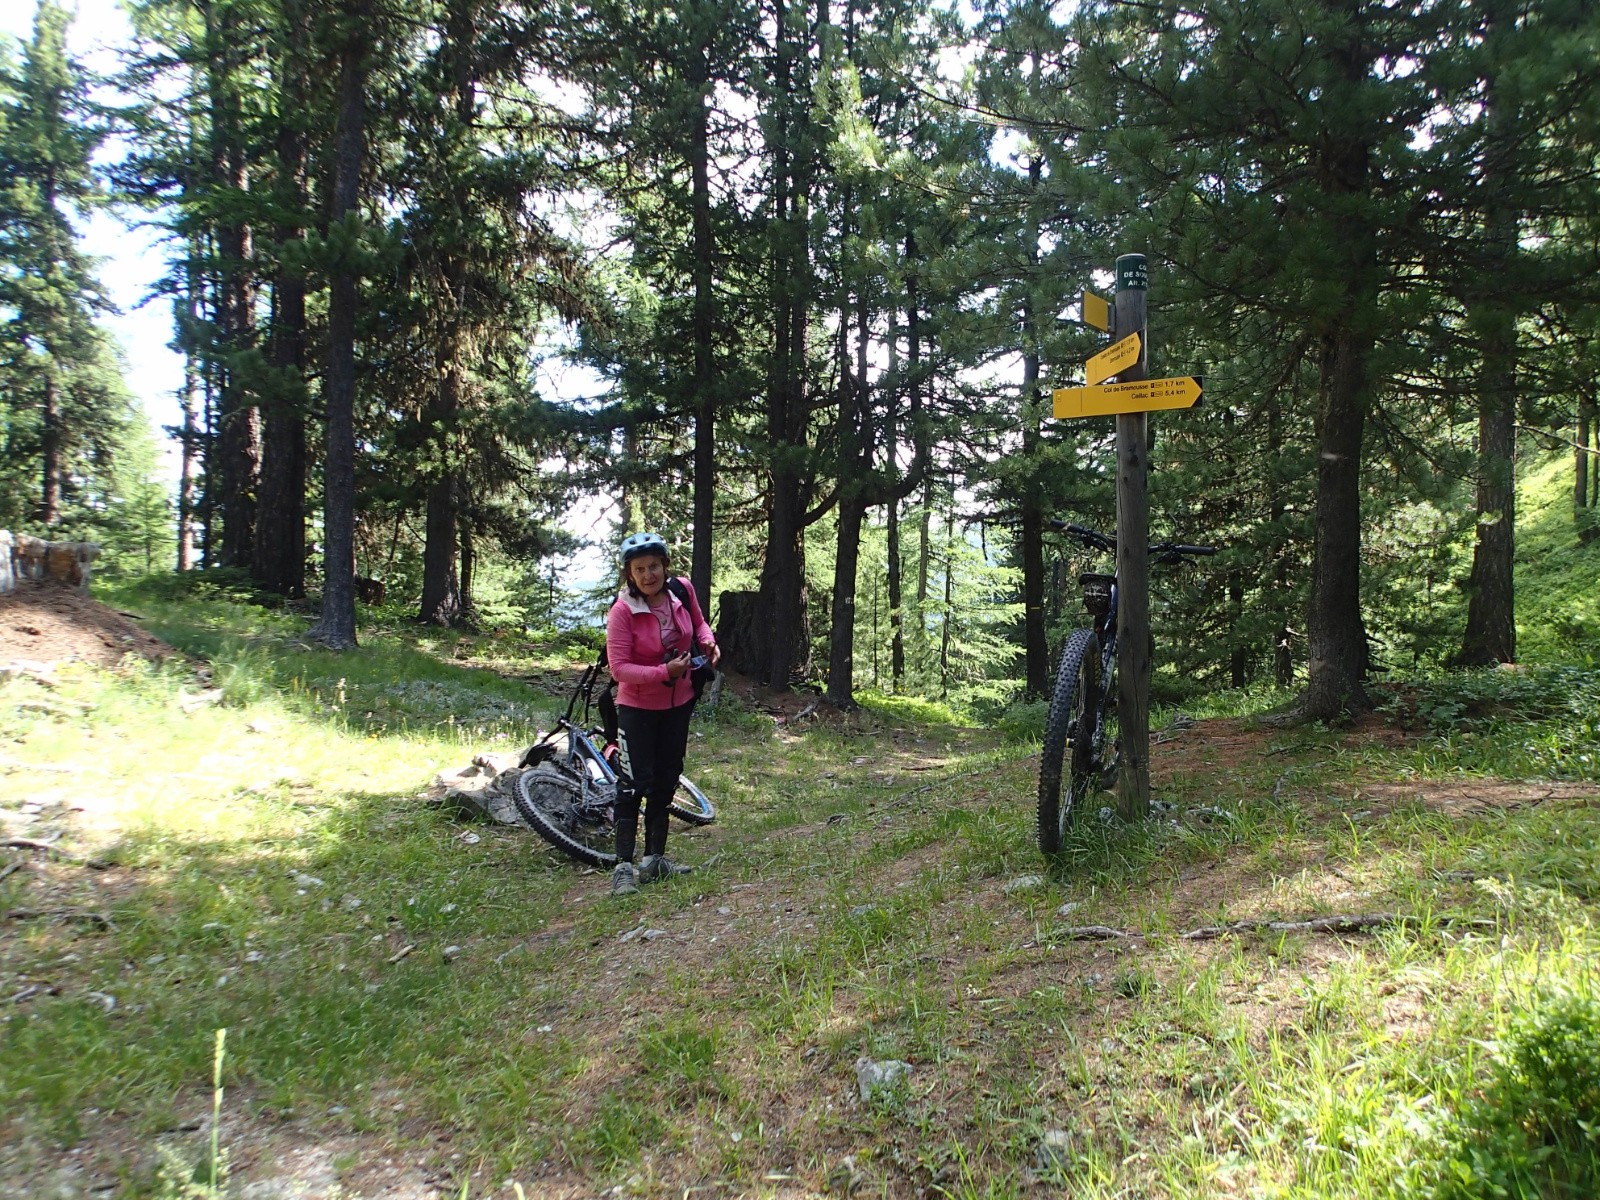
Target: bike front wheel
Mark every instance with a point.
(552, 801)
(690, 804)
(1071, 734)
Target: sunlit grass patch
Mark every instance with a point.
(872, 888)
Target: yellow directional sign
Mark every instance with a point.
(1118, 357)
(1147, 395)
(1097, 312)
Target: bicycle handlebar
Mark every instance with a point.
(1163, 552)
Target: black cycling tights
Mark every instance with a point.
(650, 744)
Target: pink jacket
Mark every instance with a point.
(633, 648)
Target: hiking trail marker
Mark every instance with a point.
(1128, 399)
(1097, 312)
(1118, 357)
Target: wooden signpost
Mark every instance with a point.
(1129, 399)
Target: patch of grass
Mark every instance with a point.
(1558, 605)
(1539, 722)
(909, 710)
(274, 872)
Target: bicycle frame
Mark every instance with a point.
(1081, 750)
(582, 757)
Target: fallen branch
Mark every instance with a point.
(10, 870)
(928, 787)
(31, 844)
(1361, 923)
(62, 914)
(401, 953)
(1335, 924)
(32, 990)
(1094, 933)
(94, 864)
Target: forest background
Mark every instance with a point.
(823, 262)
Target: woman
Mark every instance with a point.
(650, 637)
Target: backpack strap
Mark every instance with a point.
(685, 594)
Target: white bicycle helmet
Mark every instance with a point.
(636, 544)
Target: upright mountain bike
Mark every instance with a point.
(567, 790)
(1082, 750)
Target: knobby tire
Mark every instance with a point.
(1065, 775)
(690, 804)
(550, 800)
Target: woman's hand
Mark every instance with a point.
(716, 654)
(676, 667)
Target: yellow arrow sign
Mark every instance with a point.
(1119, 356)
(1097, 312)
(1146, 395)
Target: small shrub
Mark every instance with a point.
(1024, 721)
(1534, 1130)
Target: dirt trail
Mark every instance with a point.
(42, 624)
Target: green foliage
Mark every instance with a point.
(1024, 721)
(65, 410)
(1535, 721)
(1533, 1131)
(1558, 602)
(908, 709)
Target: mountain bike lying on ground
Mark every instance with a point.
(1083, 708)
(568, 787)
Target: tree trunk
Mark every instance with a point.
(1580, 456)
(469, 564)
(1337, 651)
(705, 389)
(897, 641)
(1491, 633)
(924, 544)
(50, 438)
(187, 314)
(1238, 657)
(441, 585)
(842, 634)
(337, 626)
(238, 445)
(1586, 474)
(1036, 645)
(783, 577)
(1035, 640)
(949, 605)
(280, 547)
(855, 465)
(1277, 507)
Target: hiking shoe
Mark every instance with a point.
(624, 882)
(659, 866)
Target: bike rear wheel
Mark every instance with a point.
(1070, 734)
(552, 802)
(690, 804)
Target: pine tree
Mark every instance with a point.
(65, 407)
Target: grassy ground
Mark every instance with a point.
(414, 1006)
